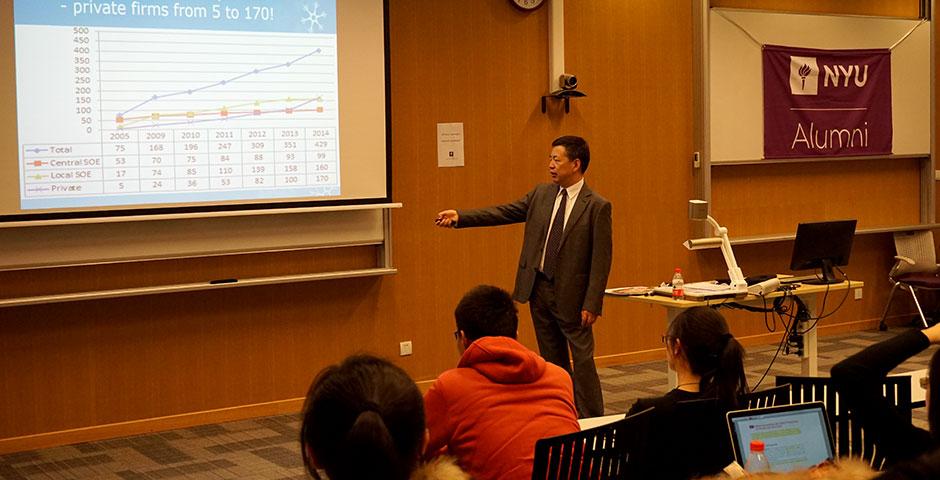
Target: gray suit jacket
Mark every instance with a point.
(583, 262)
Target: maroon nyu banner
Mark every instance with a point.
(824, 103)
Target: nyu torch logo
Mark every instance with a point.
(804, 76)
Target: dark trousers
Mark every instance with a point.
(555, 335)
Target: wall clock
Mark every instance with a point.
(528, 4)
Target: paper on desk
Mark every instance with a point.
(627, 291)
(709, 286)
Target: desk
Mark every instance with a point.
(809, 360)
(591, 422)
(918, 394)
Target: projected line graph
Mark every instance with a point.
(216, 84)
(204, 77)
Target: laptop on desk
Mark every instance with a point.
(795, 436)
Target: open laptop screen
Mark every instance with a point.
(794, 436)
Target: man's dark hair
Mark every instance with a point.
(575, 148)
(487, 311)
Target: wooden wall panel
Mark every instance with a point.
(638, 114)
(483, 63)
(89, 363)
(765, 199)
(48, 281)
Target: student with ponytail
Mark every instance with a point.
(364, 418)
(707, 359)
(690, 438)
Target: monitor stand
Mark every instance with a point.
(828, 276)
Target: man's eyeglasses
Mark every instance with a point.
(666, 337)
(456, 334)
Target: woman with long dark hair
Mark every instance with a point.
(707, 359)
(364, 418)
(690, 438)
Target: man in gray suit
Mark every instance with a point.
(564, 264)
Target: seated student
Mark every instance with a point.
(501, 398)
(707, 359)
(911, 451)
(364, 418)
(689, 420)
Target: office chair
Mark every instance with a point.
(915, 269)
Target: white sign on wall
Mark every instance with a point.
(450, 144)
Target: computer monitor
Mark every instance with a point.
(823, 245)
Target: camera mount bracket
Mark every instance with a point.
(564, 95)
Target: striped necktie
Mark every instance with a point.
(554, 237)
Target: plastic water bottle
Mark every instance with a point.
(678, 292)
(756, 460)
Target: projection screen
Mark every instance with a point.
(136, 107)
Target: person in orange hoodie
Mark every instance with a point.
(502, 397)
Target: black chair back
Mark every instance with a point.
(770, 397)
(689, 439)
(600, 453)
(850, 439)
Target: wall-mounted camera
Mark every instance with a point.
(567, 81)
(567, 88)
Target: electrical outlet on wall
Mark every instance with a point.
(404, 348)
(858, 293)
